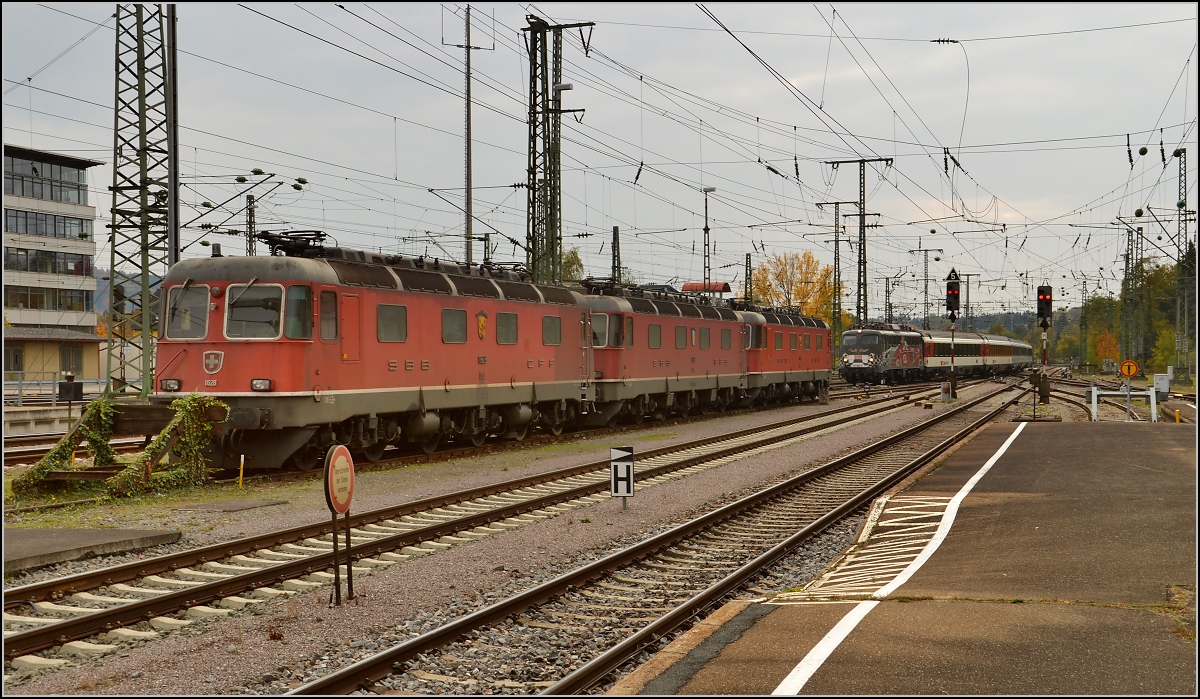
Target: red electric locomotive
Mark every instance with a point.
(315, 346)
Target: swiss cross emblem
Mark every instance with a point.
(213, 361)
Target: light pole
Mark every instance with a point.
(707, 259)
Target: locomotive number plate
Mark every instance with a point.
(210, 383)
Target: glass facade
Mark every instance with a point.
(49, 225)
(47, 261)
(39, 299)
(39, 180)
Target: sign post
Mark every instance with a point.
(1129, 369)
(339, 491)
(621, 481)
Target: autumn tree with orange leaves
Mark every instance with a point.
(796, 281)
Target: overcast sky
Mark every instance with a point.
(1035, 103)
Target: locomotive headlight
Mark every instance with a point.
(169, 385)
(260, 384)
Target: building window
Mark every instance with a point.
(14, 359)
(551, 330)
(654, 336)
(32, 178)
(38, 299)
(506, 328)
(726, 338)
(70, 358)
(329, 315)
(454, 326)
(704, 338)
(49, 225)
(391, 323)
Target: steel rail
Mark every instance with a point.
(83, 626)
(369, 670)
(597, 668)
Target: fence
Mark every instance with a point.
(41, 387)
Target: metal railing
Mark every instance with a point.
(41, 387)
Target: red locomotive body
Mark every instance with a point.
(320, 346)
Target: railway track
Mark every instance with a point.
(625, 602)
(29, 449)
(246, 571)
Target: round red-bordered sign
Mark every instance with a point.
(339, 479)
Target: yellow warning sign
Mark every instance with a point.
(1129, 368)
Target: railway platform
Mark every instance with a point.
(1068, 567)
(33, 548)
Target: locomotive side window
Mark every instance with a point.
(506, 328)
(628, 331)
(254, 311)
(680, 336)
(819, 342)
(808, 341)
(551, 330)
(329, 318)
(614, 331)
(391, 323)
(778, 340)
(187, 312)
(704, 338)
(454, 325)
(726, 338)
(654, 336)
(599, 330)
(792, 341)
(297, 324)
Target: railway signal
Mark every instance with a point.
(1045, 299)
(952, 296)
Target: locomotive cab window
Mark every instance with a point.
(254, 311)
(297, 324)
(614, 331)
(551, 330)
(506, 328)
(849, 340)
(391, 323)
(654, 336)
(187, 312)
(454, 326)
(599, 330)
(329, 315)
(628, 331)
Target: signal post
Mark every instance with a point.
(952, 306)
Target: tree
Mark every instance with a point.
(791, 280)
(1106, 346)
(572, 265)
(999, 329)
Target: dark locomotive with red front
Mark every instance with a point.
(314, 346)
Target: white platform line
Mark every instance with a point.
(803, 672)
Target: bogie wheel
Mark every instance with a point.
(478, 438)
(556, 427)
(307, 459)
(375, 451)
(430, 443)
(520, 433)
(637, 417)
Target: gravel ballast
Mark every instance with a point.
(238, 655)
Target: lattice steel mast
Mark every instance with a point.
(143, 237)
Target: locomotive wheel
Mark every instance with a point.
(430, 443)
(637, 418)
(555, 428)
(478, 438)
(375, 451)
(520, 433)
